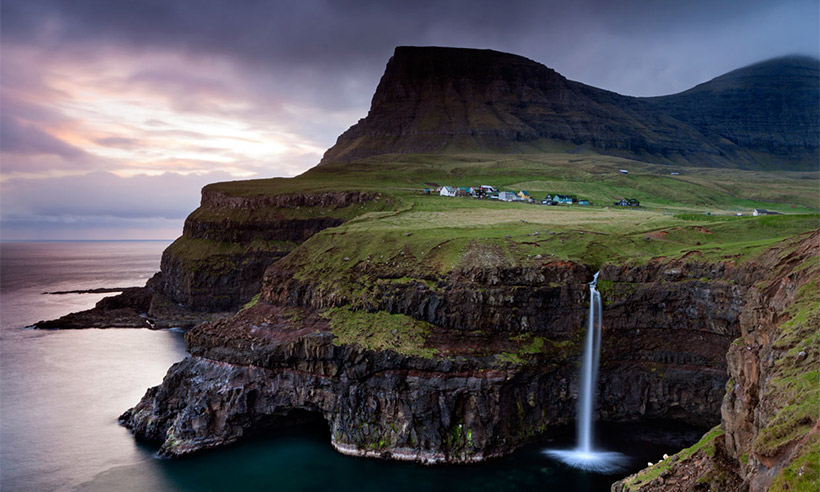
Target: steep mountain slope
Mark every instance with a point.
(433, 100)
(769, 107)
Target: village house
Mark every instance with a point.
(447, 191)
(506, 196)
(627, 202)
(562, 199)
(478, 191)
(763, 211)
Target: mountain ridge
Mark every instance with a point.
(444, 100)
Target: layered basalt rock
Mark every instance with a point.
(227, 243)
(769, 421)
(769, 434)
(667, 326)
(258, 368)
(547, 299)
(492, 382)
(217, 265)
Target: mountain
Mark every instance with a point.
(441, 100)
(769, 107)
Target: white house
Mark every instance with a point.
(507, 196)
(447, 191)
(760, 211)
(624, 171)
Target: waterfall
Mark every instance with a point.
(589, 369)
(584, 455)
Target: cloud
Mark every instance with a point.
(98, 201)
(127, 99)
(27, 139)
(119, 142)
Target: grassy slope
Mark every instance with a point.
(590, 176)
(443, 229)
(410, 236)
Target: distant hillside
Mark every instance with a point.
(445, 100)
(769, 107)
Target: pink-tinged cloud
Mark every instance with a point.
(20, 138)
(72, 207)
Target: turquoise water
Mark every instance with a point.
(62, 391)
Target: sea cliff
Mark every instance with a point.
(405, 376)
(769, 434)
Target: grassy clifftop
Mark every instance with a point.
(589, 176)
(404, 233)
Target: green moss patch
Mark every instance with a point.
(380, 331)
(802, 474)
(254, 300)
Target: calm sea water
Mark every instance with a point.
(62, 391)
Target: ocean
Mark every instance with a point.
(62, 391)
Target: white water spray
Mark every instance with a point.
(584, 456)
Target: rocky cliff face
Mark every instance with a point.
(269, 364)
(229, 241)
(218, 263)
(771, 413)
(433, 100)
(453, 369)
(769, 436)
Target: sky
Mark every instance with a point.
(114, 113)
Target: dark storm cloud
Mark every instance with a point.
(360, 34)
(154, 85)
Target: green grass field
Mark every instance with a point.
(427, 236)
(593, 177)
(406, 234)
